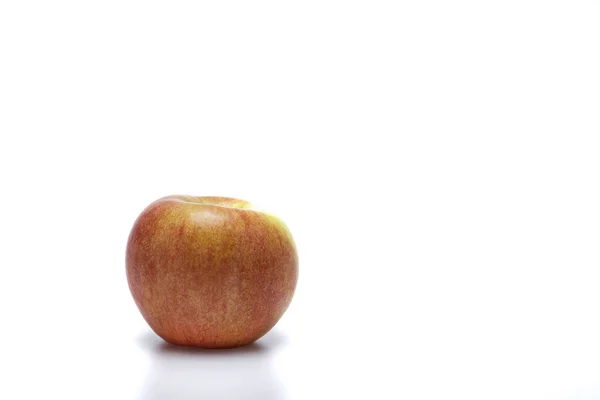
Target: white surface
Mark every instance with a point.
(438, 163)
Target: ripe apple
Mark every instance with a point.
(211, 272)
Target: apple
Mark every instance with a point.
(211, 272)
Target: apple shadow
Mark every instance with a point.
(179, 372)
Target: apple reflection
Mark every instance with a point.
(178, 372)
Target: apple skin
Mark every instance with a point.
(210, 272)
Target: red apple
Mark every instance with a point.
(211, 272)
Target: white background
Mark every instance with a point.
(437, 161)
